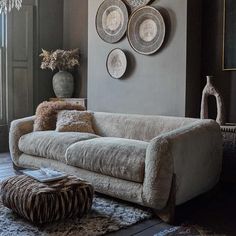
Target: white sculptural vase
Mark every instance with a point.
(211, 90)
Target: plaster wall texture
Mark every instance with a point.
(153, 84)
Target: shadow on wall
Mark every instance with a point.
(212, 41)
(169, 16)
(170, 23)
(132, 64)
(77, 74)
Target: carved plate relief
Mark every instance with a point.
(135, 4)
(116, 63)
(146, 30)
(112, 20)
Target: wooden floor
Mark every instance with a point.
(6, 168)
(214, 212)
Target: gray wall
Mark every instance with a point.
(49, 36)
(135, 90)
(212, 56)
(154, 84)
(76, 36)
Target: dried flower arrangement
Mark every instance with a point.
(59, 59)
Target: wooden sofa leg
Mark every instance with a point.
(168, 213)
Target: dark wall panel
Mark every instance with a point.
(212, 52)
(76, 36)
(50, 37)
(194, 44)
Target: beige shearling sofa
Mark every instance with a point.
(131, 157)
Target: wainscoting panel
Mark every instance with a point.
(20, 43)
(20, 90)
(2, 88)
(20, 62)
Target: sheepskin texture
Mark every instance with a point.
(122, 189)
(193, 153)
(19, 128)
(197, 152)
(106, 216)
(46, 114)
(74, 121)
(159, 171)
(139, 127)
(117, 157)
(189, 148)
(51, 144)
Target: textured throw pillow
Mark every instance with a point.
(74, 121)
(46, 114)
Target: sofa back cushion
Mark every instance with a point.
(140, 127)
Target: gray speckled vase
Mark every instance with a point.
(63, 84)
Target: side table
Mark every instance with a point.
(79, 101)
(229, 152)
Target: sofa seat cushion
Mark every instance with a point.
(117, 157)
(51, 144)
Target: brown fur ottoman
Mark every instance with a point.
(47, 202)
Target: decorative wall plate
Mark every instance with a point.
(116, 63)
(112, 20)
(135, 4)
(146, 30)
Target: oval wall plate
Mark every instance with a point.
(135, 4)
(146, 30)
(112, 20)
(116, 63)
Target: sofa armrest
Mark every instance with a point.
(193, 153)
(19, 128)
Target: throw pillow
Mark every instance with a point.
(74, 121)
(46, 114)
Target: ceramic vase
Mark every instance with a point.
(63, 84)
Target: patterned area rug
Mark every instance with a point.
(183, 231)
(107, 215)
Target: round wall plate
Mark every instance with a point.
(112, 20)
(116, 63)
(146, 30)
(135, 4)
